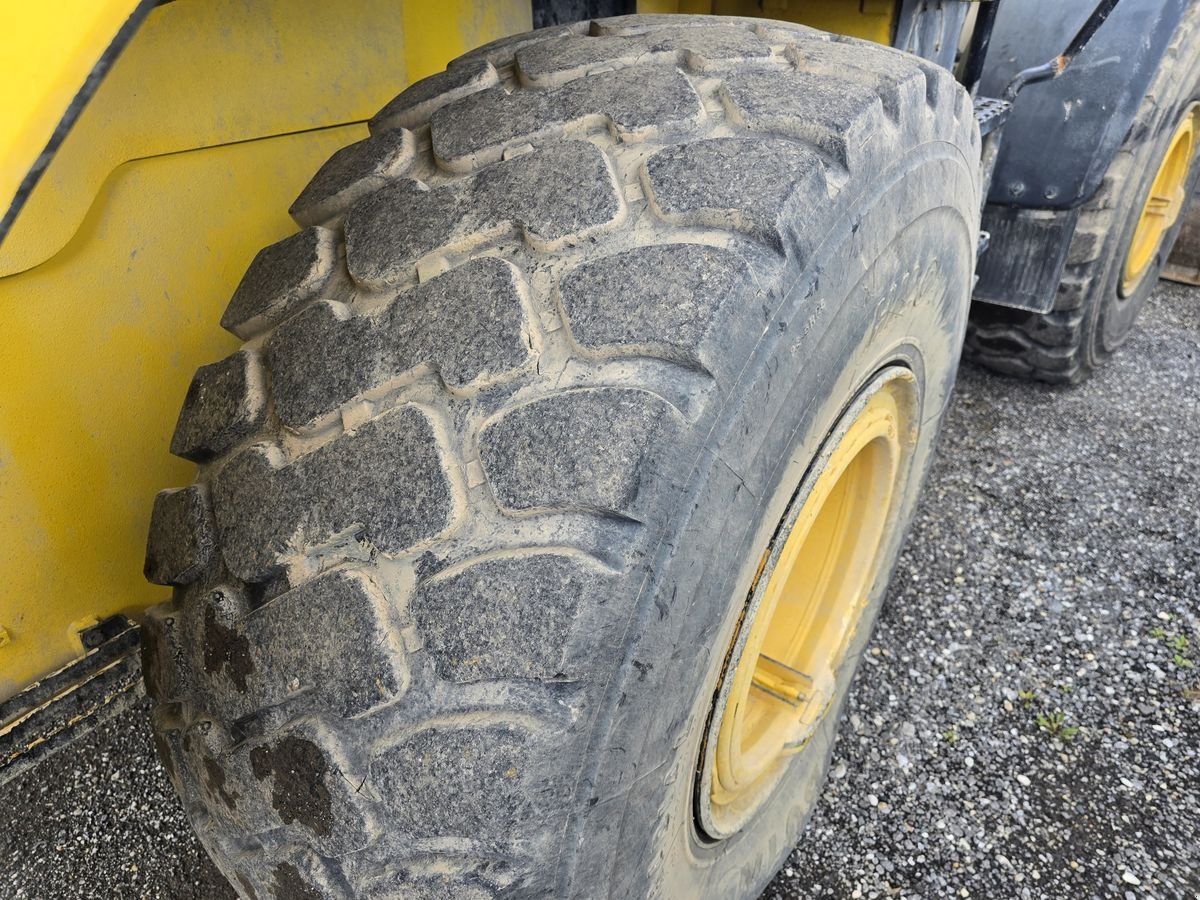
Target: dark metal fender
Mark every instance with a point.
(1063, 134)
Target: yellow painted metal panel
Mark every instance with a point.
(436, 33)
(128, 259)
(101, 346)
(47, 52)
(200, 73)
(873, 20)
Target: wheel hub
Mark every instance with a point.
(1165, 202)
(812, 586)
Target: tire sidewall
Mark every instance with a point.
(1112, 316)
(863, 302)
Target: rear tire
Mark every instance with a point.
(482, 497)
(1093, 314)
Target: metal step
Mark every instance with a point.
(991, 113)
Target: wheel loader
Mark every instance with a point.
(540, 462)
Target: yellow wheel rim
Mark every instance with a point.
(1164, 204)
(818, 573)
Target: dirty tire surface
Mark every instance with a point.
(1090, 318)
(477, 389)
(101, 819)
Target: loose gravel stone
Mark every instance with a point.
(1053, 568)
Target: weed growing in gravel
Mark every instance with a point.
(1179, 643)
(1055, 725)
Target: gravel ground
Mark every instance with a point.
(1027, 723)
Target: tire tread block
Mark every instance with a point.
(341, 615)
(741, 184)
(309, 788)
(663, 299)
(468, 324)
(593, 448)
(505, 618)
(472, 783)
(282, 278)
(649, 100)
(838, 117)
(352, 173)
(558, 195)
(182, 536)
(502, 51)
(416, 103)
(385, 485)
(226, 402)
(554, 62)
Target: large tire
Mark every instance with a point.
(482, 496)
(1093, 314)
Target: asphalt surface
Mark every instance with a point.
(1026, 725)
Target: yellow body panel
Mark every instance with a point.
(874, 20)
(105, 345)
(47, 52)
(201, 74)
(129, 249)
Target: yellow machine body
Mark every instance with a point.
(123, 253)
